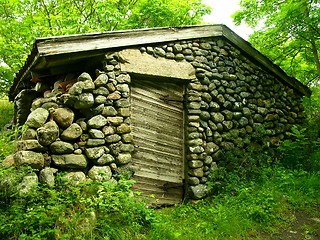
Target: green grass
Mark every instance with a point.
(6, 136)
(263, 206)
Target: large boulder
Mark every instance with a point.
(29, 158)
(37, 118)
(63, 117)
(48, 133)
(76, 161)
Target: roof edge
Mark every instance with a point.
(58, 45)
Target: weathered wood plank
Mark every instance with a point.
(158, 133)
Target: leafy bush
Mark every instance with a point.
(92, 210)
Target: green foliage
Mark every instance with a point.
(6, 135)
(93, 210)
(287, 32)
(22, 21)
(301, 151)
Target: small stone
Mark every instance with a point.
(97, 121)
(95, 133)
(124, 112)
(122, 103)
(29, 134)
(105, 159)
(95, 142)
(95, 152)
(196, 172)
(101, 80)
(100, 99)
(74, 178)
(71, 133)
(115, 121)
(123, 158)
(88, 86)
(193, 181)
(199, 191)
(123, 128)
(108, 130)
(101, 91)
(217, 117)
(76, 89)
(100, 173)
(8, 162)
(211, 147)
(29, 145)
(159, 51)
(195, 164)
(112, 138)
(123, 78)
(109, 111)
(84, 77)
(84, 101)
(28, 185)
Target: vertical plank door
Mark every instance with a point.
(158, 134)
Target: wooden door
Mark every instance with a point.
(158, 133)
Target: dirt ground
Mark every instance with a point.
(305, 226)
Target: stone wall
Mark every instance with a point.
(82, 126)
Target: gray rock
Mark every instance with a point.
(197, 149)
(29, 133)
(108, 130)
(123, 88)
(193, 181)
(74, 178)
(159, 51)
(195, 164)
(76, 89)
(123, 158)
(217, 117)
(100, 173)
(88, 85)
(101, 91)
(30, 144)
(95, 152)
(84, 77)
(48, 133)
(29, 158)
(211, 147)
(70, 161)
(115, 121)
(123, 128)
(122, 103)
(105, 159)
(123, 78)
(126, 148)
(63, 117)
(124, 112)
(46, 176)
(84, 101)
(100, 99)
(243, 121)
(95, 142)
(199, 191)
(196, 172)
(112, 138)
(101, 80)
(60, 147)
(73, 132)
(95, 133)
(97, 122)
(28, 185)
(109, 111)
(37, 118)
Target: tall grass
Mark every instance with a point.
(6, 135)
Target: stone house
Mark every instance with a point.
(164, 104)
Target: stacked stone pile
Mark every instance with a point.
(83, 126)
(84, 131)
(230, 102)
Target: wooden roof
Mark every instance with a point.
(56, 55)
